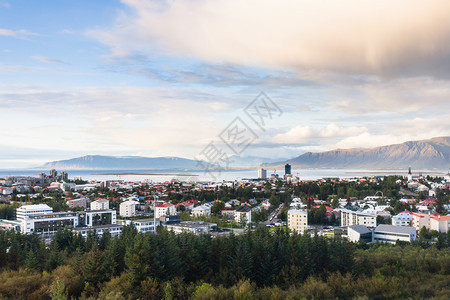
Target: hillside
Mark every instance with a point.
(424, 154)
(101, 162)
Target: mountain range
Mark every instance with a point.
(423, 154)
(101, 162)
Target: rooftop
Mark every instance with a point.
(35, 207)
(297, 211)
(395, 229)
(360, 229)
(441, 218)
(243, 208)
(165, 204)
(192, 224)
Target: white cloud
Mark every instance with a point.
(384, 37)
(302, 134)
(16, 33)
(48, 60)
(298, 134)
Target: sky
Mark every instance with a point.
(169, 78)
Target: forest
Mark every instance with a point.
(259, 264)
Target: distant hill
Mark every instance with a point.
(424, 154)
(101, 162)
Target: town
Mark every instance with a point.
(370, 209)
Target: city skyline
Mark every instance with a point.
(165, 78)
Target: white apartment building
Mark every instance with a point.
(243, 213)
(297, 220)
(30, 210)
(128, 208)
(402, 219)
(440, 223)
(164, 209)
(145, 225)
(100, 204)
(420, 220)
(349, 218)
(202, 210)
(262, 173)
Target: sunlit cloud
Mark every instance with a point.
(388, 38)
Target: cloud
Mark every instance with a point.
(48, 60)
(16, 33)
(156, 121)
(302, 134)
(403, 95)
(5, 4)
(387, 38)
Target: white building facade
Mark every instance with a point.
(297, 220)
(202, 210)
(164, 209)
(100, 204)
(349, 218)
(402, 219)
(30, 210)
(392, 234)
(128, 208)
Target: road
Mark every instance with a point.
(273, 216)
(407, 192)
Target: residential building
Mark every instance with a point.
(165, 209)
(188, 204)
(113, 229)
(392, 234)
(100, 204)
(402, 218)
(420, 220)
(128, 208)
(243, 215)
(356, 233)
(349, 218)
(262, 173)
(202, 210)
(228, 212)
(196, 227)
(440, 223)
(81, 202)
(297, 220)
(31, 210)
(144, 225)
